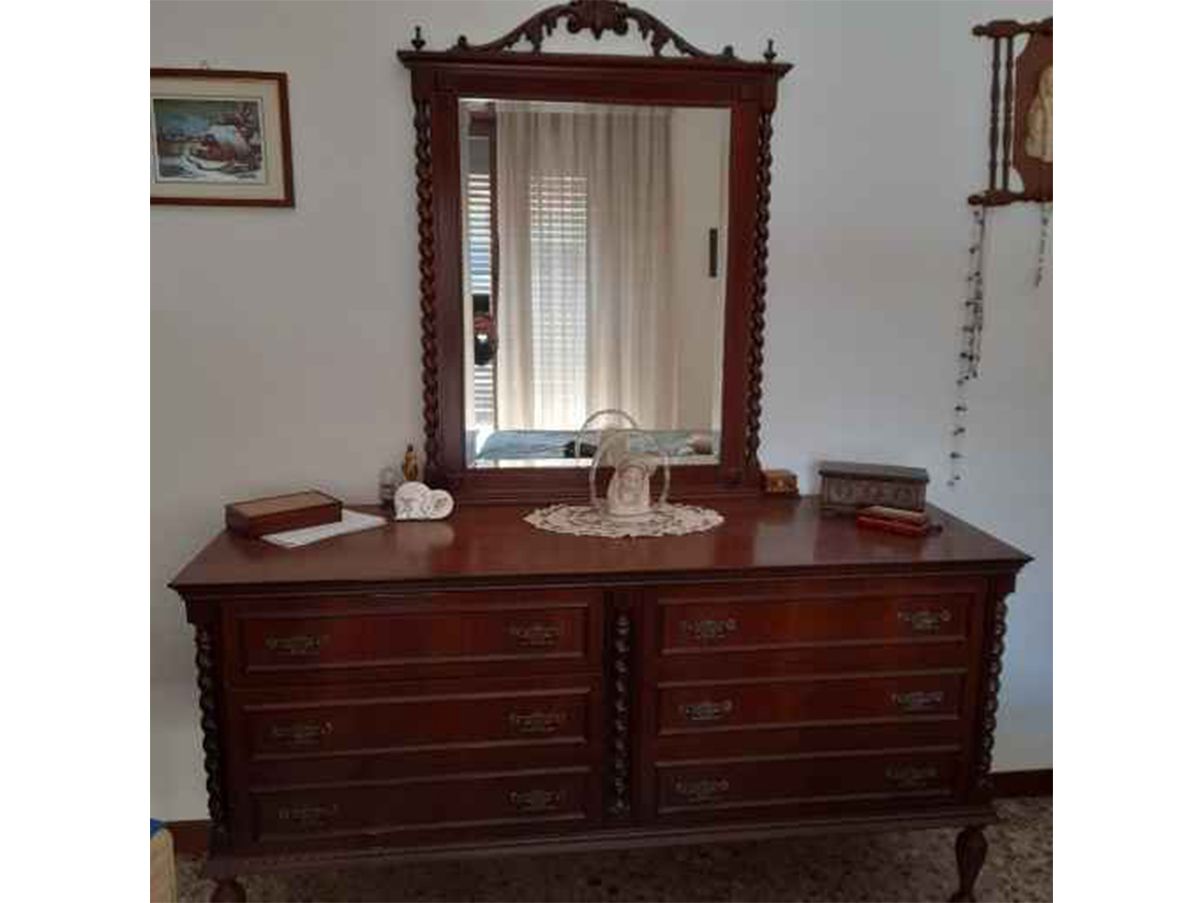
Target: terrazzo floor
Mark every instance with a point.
(914, 865)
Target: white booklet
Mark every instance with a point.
(352, 522)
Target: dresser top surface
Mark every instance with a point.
(494, 543)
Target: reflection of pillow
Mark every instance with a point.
(701, 444)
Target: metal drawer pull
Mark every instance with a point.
(708, 629)
(308, 815)
(536, 635)
(918, 700)
(704, 791)
(926, 621)
(536, 800)
(302, 733)
(706, 710)
(537, 722)
(301, 644)
(909, 776)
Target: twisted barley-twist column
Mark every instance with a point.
(756, 355)
(994, 672)
(620, 724)
(207, 682)
(426, 280)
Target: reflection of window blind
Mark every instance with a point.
(480, 271)
(559, 229)
(480, 218)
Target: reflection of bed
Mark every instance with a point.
(531, 444)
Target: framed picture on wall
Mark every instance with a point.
(220, 137)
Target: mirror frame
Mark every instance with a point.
(695, 78)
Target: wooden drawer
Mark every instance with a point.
(807, 700)
(787, 781)
(770, 617)
(456, 804)
(431, 635)
(416, 721)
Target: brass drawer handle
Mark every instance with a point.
(707, 629)
(706, 790)
(536, 800)
(308, 815)
(706, 710)
(303, 733)
(911, 776)
(536, 635)
(538, 722)
(918, 700)
(300, 644)
(926, 620)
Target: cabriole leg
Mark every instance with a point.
(971, 848)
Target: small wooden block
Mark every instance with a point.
(258, 517)
(779, 482)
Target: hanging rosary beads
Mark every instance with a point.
(1043, 244)
(971, 345)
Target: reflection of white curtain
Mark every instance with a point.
(584, 316)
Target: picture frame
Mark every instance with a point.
(220, 138)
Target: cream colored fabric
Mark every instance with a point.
(663, 520)
(584, 320)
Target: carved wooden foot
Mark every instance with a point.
(971, 848)
(228, 890)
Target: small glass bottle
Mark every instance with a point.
(388, 486)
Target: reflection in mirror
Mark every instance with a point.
(594, 275)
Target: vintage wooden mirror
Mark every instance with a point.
(592, 234)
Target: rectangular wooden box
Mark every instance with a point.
(259, 517)
(846, 486)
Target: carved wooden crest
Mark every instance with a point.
(597, 17)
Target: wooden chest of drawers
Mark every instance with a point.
(474, 686)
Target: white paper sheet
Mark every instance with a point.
(352, 522)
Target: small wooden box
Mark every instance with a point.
(779, 482)
(258, 517)
(846, 486)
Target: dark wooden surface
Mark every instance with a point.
(489, 70)
(190, 837)
(493, 543)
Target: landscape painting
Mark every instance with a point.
(208, 139)
(220, 138)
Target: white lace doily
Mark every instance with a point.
(663, 520)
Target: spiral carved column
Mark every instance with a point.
(207, 684)
(426, 281)
(756, 355)
(620, 721)
(992, 675)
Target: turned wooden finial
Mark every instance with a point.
(770, 53)
(418, 41)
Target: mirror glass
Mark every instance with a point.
(594, 249)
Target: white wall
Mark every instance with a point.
(284, 348)
(698, 170)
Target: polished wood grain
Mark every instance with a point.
(492, 544)
(780, 783)
(442, 803)
(402, 723)
(726, 619)
(476, 687)
(726, 705)
(748, 90)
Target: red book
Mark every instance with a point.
(892, 526)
